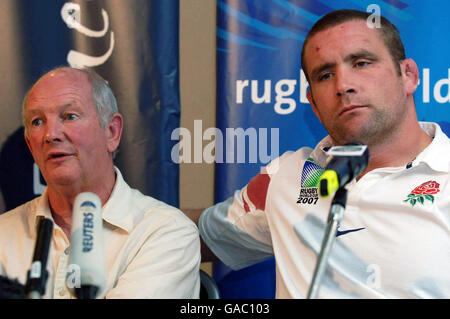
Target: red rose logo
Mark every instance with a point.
(423, 192)
(430, 187)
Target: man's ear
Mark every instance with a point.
(410, 75)
(313, 104)
(114, 132)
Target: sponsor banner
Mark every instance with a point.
(260, 85)
(132, 44)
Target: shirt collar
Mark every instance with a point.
(435, 155)
(432, 155)
(115, 210)
(39, 209)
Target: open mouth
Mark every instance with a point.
(56, 156)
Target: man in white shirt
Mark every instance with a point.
(73, 129)
(394, 239)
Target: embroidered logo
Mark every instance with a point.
(310, 176)
(423, 192)
(343, 232)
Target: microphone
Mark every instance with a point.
(347, 162)
(87, 245)
(37, 275)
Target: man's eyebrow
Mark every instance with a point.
(32, 111)
(69, 105)
(38, 111)
(322, 68)
(362, 54)
(351, 57)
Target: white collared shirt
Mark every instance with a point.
(152, 249)
(392, 243)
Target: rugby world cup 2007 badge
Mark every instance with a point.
(311, 173)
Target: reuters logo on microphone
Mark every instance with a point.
(88, 225)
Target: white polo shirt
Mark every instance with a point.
(393, 241)
(152, 249)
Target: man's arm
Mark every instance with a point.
(238, 238)
(165, 265)
(194, 215)
(237, 229)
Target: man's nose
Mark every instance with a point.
(54, 131)
(344, 82)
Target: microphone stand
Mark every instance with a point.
(334, 219)
(37, 276)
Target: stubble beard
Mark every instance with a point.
(377, 129)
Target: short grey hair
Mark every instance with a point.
(102, 97)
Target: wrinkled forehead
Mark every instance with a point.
(59, 81)
(63, 76)
(344, 36)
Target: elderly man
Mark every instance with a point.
(394, 237)
(73, 128)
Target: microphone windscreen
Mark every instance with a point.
(87, 242)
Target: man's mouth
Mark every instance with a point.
(57, 155)
(349, 108)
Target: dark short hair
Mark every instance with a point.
(388, 32)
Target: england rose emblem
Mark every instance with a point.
(423, 192)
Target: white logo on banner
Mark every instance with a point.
(437, 89)
(284, 90)
(71, 15)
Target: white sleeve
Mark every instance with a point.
(231, 233)
(237, 230)
(165, 267)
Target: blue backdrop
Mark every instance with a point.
(260, 85)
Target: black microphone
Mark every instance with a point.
(347, 162)
(87, 245)
(37, 275)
